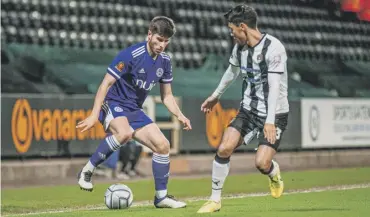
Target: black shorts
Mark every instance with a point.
(249, 125)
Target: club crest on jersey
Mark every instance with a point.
(159, 72)
(259, 57)
(118, 109)
(120, 66)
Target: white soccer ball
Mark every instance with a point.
(118, 196)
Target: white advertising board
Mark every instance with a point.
(335, 122)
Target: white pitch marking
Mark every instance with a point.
(194, 199)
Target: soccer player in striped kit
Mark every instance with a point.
(261, 60)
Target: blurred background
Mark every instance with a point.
(54, 54)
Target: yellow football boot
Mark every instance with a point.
(276, 185)
(210, 206)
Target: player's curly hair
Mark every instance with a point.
(163, 26)
(242, 14)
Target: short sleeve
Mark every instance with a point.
(234, 60)
(277, 59)
(167, 70)
(119, 65)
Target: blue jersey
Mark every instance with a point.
(137, 73)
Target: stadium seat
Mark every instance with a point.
(309, 34)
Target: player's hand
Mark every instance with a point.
(270, 133)
(87, 123)
(185, 122)
(208, 104)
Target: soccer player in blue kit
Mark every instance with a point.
(118, 106)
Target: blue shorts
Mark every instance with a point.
(110, 111)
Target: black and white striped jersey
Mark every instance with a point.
(268, 56)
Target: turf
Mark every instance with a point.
(17, 201)
(326, 204)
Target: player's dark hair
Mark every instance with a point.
(162, 26)
(242, 14)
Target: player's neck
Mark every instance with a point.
(151, 53)
(254, 37)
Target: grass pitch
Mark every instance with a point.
(71, 201)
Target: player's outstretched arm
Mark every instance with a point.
(227, 79)
(170, 102)
(90, 121)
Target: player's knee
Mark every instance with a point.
(163, 147)
(262, 164)
(224, 151)
(123, 137)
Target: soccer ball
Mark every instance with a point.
(118, 196)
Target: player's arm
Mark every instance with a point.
(167, 97)
(274, 86)
(107, 82)
(230, 74)
(169, 101)
(276, 67)
(114, 73)
(227, 79)
(90, 121)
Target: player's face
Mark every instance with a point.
(157, 43)
(238, 33)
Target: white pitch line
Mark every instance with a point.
(194, 199)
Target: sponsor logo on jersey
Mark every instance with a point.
(145, 85)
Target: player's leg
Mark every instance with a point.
(152, 137)
(221, 164)
(120, 133)
(240, 127)
(267, 166)
(264, 158)
(232, 138)
(220, 168)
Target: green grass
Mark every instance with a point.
(351, 203)
(16, 201)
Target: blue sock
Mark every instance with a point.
(161, 172)
(105, 149)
